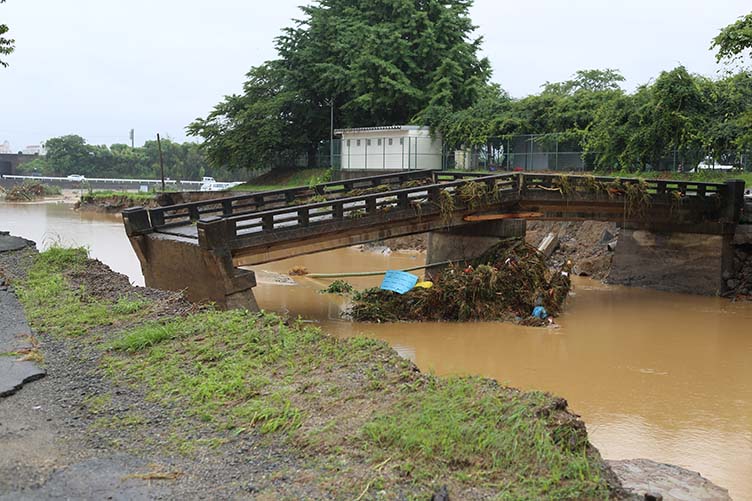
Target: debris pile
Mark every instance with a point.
(507, 283)
(26, 192)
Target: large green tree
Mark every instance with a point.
(7, 45)
(734, 42)
(377, 62)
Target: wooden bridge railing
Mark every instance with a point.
(417, 201)
(257, 216)
(181, 214)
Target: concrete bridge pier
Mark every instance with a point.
(469, 241)
(206, 273)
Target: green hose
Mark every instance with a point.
(373, 273)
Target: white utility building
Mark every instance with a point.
(393, 147)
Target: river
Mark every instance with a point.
(654, 375)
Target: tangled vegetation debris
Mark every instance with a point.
(505, 283)
(28, 192)
(298, 271)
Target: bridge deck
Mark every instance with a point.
(265, 226)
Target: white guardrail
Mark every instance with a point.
(99, 180)
(203, 185)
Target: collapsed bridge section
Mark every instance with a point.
(200, 247)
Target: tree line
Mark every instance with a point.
(71, 154)
(406, 62)
(678, 114)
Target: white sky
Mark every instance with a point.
(101, 67)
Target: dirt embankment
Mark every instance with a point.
(588, 244)
(116, 202)
(112, 204)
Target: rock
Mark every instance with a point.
(732, 283)
(650, 480)
(9, 243)
(726, 275)
(14, 374)
(607, 237)
(441, 494)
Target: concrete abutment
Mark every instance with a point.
(468, 242)
(173, 263)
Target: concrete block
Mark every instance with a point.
(549, 244)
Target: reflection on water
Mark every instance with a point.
(656, 375)
(51, 223)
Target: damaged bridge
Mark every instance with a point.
(202, 247)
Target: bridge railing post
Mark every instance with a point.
(136, 221)
(193, 213)
(157, 217)
(733, 200)
(402, 201)
(371, 205)
(303, 216)
(227, 207)
(215, 232)
(267, 222)
(338, 210)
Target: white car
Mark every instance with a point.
(76, 177)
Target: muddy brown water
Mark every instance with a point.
(654, 375)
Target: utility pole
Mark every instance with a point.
(331, 132)
(133, 138)
(161, 161)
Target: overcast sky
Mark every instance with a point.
(99, 68)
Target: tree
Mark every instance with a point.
(71, 155)
(381, 62)
(7, 45)
(659, 126)
(734, 41)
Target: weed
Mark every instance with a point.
(98, 403)
(637, 199)
(446, 207)
(145, 336)
(459, 422)
(126, 306)
(338, 287)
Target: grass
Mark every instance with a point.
(135, 196)
(358, 418)
(283, 179)
(52, 306)
(354, 400)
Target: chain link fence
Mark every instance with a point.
(523, 153)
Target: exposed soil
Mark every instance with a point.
(584, 243)
(113, 204)
(406, 243)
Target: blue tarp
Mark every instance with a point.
(540, 312)
(398, 281)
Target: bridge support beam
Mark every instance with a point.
(468, 242)
(176, 264)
